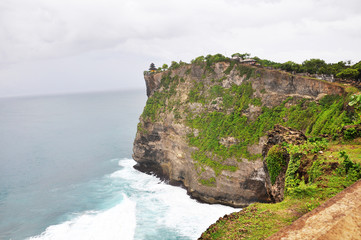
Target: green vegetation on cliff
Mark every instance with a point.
(326, 117)
(159, 101)
(226, 111)
(341, 69)
(316, 172)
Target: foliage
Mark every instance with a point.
(317, 66)
(196, 94)
(275, 162)
(313, 65)
(350, 169)
(315, 170)
(297, 153)
(229, 68)
(291, 179)
(199, 60)
(208, 182)
(260, 220)
(159, 101)
(245, 70)
(174, 65)
(356, 103)
(348, 73)
(291, 66)
(350, 133)
(203, 160)
(153, 105)
(241, 56)
(330, 120)
(165, 67)
(215, 125)
(302, 190)
(211, 59)
(310, 177)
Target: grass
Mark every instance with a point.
(261, 220)
(352, 148)
(258, 221)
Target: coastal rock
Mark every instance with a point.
(279, 135)
(162, 146)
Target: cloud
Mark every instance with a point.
(41, 30)
(44, 29)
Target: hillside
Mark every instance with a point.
(237, 134)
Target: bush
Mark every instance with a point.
(303, 190)
(350, 169)
(275, 162)
(350, 133)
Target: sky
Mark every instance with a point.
(68, 46)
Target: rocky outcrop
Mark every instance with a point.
(279, 135)
(162, 146)
(152, 81)
(165, 152)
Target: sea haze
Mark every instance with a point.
(66, 173)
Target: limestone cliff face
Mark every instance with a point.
(279, 135)
(169, 144)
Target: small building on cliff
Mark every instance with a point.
(152, 68)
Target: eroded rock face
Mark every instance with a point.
(161, 145)
(279, 135)
(164, 151)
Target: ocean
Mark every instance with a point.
(66, 172)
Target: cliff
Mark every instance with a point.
(205, 125)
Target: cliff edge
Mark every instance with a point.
(205, 126)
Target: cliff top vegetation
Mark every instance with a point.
(341, 69)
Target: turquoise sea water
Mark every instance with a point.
(66, 173)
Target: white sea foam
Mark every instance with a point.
(167, 206)
(116, 223)
(152, 210)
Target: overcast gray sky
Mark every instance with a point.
(60, 46)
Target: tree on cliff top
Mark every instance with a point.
(241, 56)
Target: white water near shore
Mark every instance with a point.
(115, 223)
(150, 209)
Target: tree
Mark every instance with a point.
(241, 56)
(348, 73)
(199, 60)
(290, 66)
(358, 67)
(313, 65)
(174, 65)
(165, 67)
(356, 103)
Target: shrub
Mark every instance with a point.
(303, 190)
(275, 162)
(350, 133)
(350, 169)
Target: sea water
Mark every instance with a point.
(66, 173)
